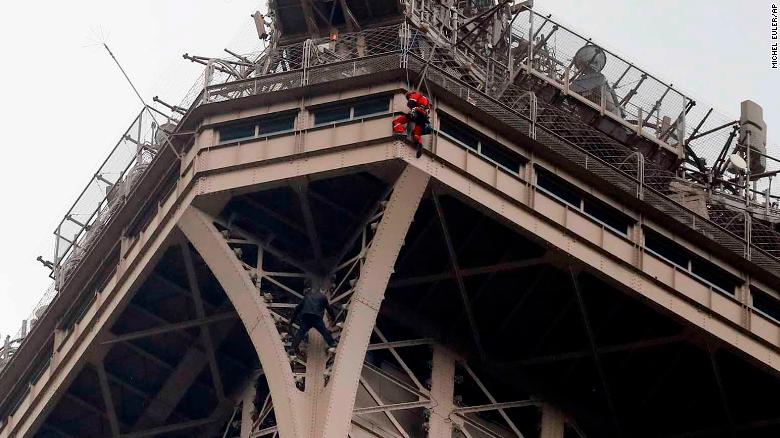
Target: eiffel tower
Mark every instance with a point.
(554, 265)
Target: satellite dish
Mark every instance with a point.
(737, 164)
(590, 58)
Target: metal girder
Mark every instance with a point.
(399, 344)
(247, 408)
(308, 15)
(200, 311)
(724, 400)
(553, 422)
(88, 406)
(392, 407)
(352, 23)
(495, 406)
(281, 255)
(287, 222)
(388, 413)
(199, 322)
(192, 424)
(108, 400)
(594, 351)
(493, 400)
(639, 273)
(302, 189)
(331, 204)
(360, 226)
(647, 343)
(453, 259)
(129, 386)
(469, 272)
(199, 229)
(442, 392)
(366, 300)
(400, 361)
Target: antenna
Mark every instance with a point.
(125, 74)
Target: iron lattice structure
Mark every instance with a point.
(485, 82)
(474, 298)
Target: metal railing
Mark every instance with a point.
(100, 200)
(105, 193)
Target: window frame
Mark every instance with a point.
(257, 123)
(692, 259)
(481, 140)
(350, 104)
(584, 199)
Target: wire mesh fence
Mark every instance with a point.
(478, 80)
(628, 93)
(487, 81)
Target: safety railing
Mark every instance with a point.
(446, 68)
(615, 86)
(106, 190)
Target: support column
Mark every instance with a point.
(247, 409)
(442, 393)
(199, 228)
(553, 422)
(336, 416)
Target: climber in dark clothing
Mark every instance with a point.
(309, 315)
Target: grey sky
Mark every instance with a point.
(65, 105)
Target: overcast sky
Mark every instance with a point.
(65, 104)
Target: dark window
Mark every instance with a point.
(236, 131)
(608, 215)
(558, 187)
(681, 257)
(372, 105)
(332, 113)
(766, 304)
(594, 208)
(460, 133)
(714, 275)
(667, 248)
(501, 155)
(274, 124)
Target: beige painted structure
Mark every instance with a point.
(211, 173)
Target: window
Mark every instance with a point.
(676, 254)
(274, 124)
(262, 127)
(570, 194)
(766, 304)
(667, 248)
(501, 155)
(236, 132)
(333, 113)
(715, 275)
(608, 215)
(376, 105)
(460, 133)
(344, 111)
(558, 187)
(489, 149)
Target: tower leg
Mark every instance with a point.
(442, 393)
(366, 300)
(552, 422)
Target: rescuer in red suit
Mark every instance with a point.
(420, 108)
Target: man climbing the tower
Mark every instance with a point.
(309, 315)
(420, 108)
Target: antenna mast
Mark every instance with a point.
(125, 74)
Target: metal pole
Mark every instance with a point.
(531, 39)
